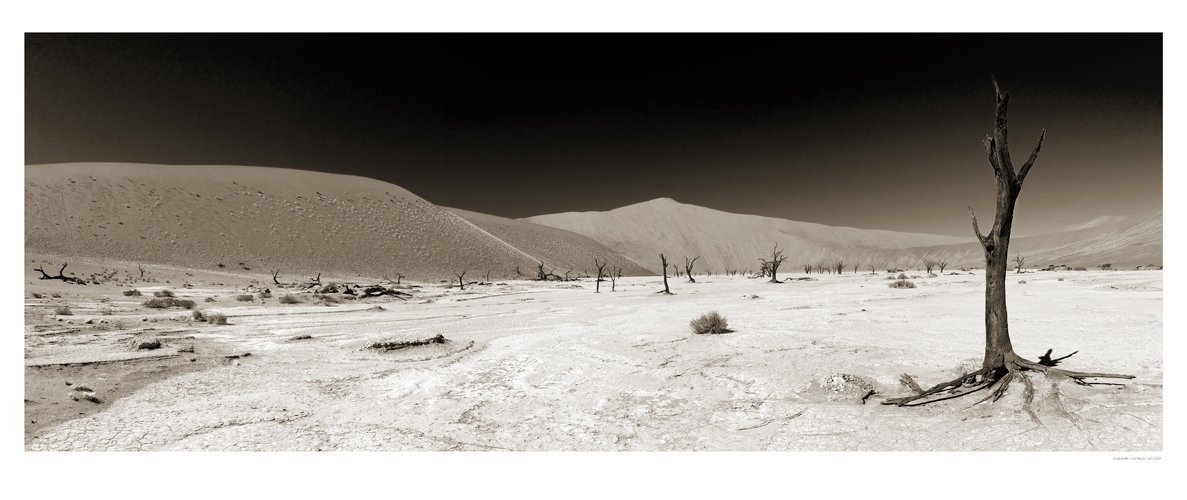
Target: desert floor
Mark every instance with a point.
(554, 366)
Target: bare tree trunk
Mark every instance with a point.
(1000, 363)
(665, 261)
(598, 283)
(688, 267)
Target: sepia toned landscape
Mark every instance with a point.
(676, 273)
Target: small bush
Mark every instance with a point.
(246, 298)
(289, 299)
(56, 295)
(902, 284)
(37, 295)
(1060, 279)
(132, 293)
(163, 293)
(1080, 269)
(902, 276)
(211, 299)
(63, 311)
(265, 295)
(710, 322)
(1021, 282)
(198, 316)
(216, 319)
(168, 302)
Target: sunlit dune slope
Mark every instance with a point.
(731, 241)
(252, 217)
(557, 248)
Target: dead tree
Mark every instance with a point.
(871, 268)
(1000, 365)
(772, 265)
(665, 261)
(839, 266)
(274, 274)
(598, 282)
(461, 283)
(543, 276)
(688, 267)
(942, 264)
(614, 275)
(60, 276)
(1019, 260)
(317, 280)
(807, 268)
(138, 266)
(928, 265)
(856, 267)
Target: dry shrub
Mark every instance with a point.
(163, 293)
(710, 322)
(211, 299)
(37, 295)
(56, 295)
(132, 293)
(327, 299)
(1060, 279)
(1021, 282)
(246, 298)
(63, 311)
(1080, 269)
(168, 302)
(265, 295)
(216, 319)
(289, 299)
(902, 284)
(198, 316)
(902, 276)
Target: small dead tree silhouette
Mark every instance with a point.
(1019, 260)
(665, 261)
(839, 266)
(138, 266)
(928, 265)
(60, 276)
(461, 281)
(274, 274)
(871, 268)
(807, 268)
(942, 264)
(1105, 267)
(777, 259)
(688, 267)
(317, 280)
(614, 275)
(598, 282)
(1000, 365)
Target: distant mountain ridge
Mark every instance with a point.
(726, 241)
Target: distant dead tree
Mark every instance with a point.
(688, 267)
(598, 283)
(567, 274)
(487, 278)
(543, 276)
(1105, 267)
(665, 261)
(928, 265)
(138, 266)
(871, 268)
(274, 274)
(942, 264)
(518, 272)
(856, 268)
(614, 275)
(839, 266)
(823, 268)
(807, 268)
(777, 259)
(461, 283)
(1001, 364)
(1019, 260)
(60, 276)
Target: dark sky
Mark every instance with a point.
(873, 131)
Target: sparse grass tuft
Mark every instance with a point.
(902, 283)
(710, 322)
(163, 293)
(245, 298)
(289, 299)
(902, 276)
(63, 311)
(216, 319)
(1021, 282)
(56, 295)
(211, 299)
(132, 293)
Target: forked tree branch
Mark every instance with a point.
(1030, 161)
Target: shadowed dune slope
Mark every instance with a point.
(1122, 241)
(732, 241)
(557, 248)
(252, 217)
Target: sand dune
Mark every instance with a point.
(735, 241)
(732, 241)
(557, 248)
(253, 219)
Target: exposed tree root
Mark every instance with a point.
(1012, 368)
(60, 276)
